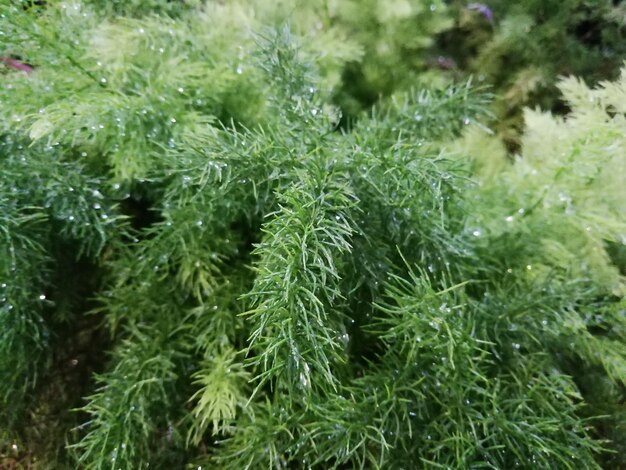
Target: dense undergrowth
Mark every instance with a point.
(214, 253)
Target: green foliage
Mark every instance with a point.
(529, 45)
(131, 403)
(144, 7)
(280, 293)
(47, 198)
(363, 50)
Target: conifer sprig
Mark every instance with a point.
(132, 403)
(295, 318)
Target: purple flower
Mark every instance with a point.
(16, 64)
(482, 9)
(444, 63)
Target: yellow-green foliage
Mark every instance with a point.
(567, 178)
(529, 44)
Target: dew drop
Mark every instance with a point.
(304, 381)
